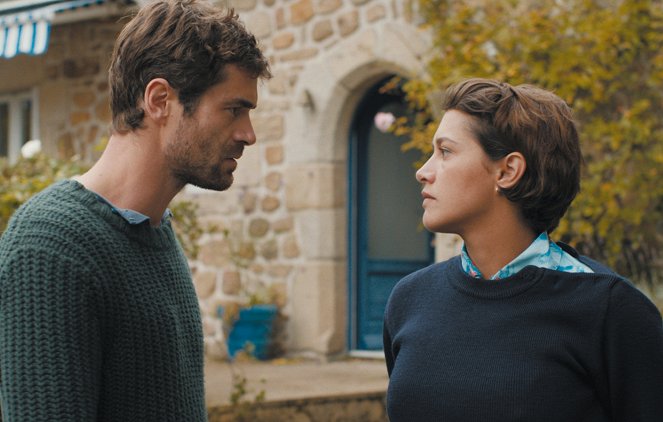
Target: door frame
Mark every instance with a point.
(370, 103)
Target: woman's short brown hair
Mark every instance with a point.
(539, 125)
(186, 42)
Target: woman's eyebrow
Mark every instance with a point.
(439, 140)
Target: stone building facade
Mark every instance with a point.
(283, 225)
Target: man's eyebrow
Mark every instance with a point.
(241, 102)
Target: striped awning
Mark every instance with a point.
(25, 28)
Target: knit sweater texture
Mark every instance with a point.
(99, 320)
(541, 345)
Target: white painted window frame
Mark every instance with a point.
(14, 139)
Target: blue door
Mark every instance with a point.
(387, 239)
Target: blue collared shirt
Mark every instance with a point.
(542, 253)
(132, 217)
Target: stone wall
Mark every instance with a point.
(71, 86)
(283, 223)
(286, 212)
(349, 408)
(76, 70)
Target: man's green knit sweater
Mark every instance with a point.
(99, 320)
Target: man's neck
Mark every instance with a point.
(132, 174)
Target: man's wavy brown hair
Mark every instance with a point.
(539, 125)
(186, 42)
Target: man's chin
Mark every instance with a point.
(218, 185)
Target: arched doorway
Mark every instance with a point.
(386, 238)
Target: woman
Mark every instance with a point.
(516, 328)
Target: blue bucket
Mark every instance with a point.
(253, 328)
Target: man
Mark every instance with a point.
(99, 320)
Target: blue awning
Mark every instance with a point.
(26, 27)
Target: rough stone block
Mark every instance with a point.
(258, 227)
(84, 99)
(301, 11)
(322, 30)
(279, 270)
(280, 18)
(375, 13)
(319, 300)
(215, 253)
(268, 127)
(278, 85)
(274, 181)
(249, 201)
(274, 154)
(283, 225)
(269, 250)
(249, 168)
(246, 251)
(315, 186)
(348, 23)
(270, 204)
(283, 40)
(66, 146)
(80, 67)
(103, 112)
(299, 55)
(232, 283)
(243, 5)
(326, 237)
(280, 291)
(78, 117)
(205, 283)
(328, 6)
(290, 247)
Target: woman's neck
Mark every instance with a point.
(492, 248)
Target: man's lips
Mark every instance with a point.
(235, 155)
(234, 158)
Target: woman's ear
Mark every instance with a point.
(512, 167)
(158, 94)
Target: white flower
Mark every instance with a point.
(31, 148)
(383, 121)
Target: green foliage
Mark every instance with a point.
(605, 58)
(244, 408)
(187, 226)
(20, 181)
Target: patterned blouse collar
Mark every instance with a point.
(542, 253)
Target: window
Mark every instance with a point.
(18, 123)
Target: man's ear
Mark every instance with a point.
(511, 169)
(157, 99)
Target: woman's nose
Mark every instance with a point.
(424, 174)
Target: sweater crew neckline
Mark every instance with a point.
(503, 288)
(158, 237)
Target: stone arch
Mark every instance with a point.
(328, 92)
